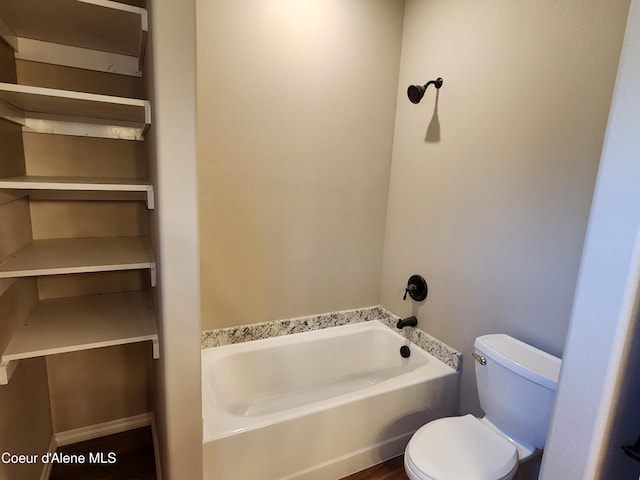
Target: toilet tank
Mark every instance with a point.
(516, 386)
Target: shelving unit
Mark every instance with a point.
(77, 184)
(95, 34)
(78, 323)
(104, 36)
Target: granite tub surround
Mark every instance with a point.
(276, 328)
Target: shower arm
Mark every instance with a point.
(437, 82)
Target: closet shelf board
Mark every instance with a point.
(70, 324)
(101, 25)
(75, 183)
(79, 255)
(80, 184)
(34, 101)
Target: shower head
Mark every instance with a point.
(416, 92)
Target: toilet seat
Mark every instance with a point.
(460, 448)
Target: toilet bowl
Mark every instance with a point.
(460, 448)
(516, 385)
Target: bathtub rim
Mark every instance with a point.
(295, 337)
(242, 333)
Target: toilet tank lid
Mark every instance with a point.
(525, 360)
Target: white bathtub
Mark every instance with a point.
(317, 405)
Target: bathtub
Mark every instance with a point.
(317, 405)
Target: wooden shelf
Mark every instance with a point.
(97, 25)
(79, 255)
(80, 184)
(49, 110)
(80, 323)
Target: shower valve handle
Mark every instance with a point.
(416, 288)
(410, 288)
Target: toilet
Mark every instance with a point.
(516, 386)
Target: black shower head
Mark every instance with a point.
(416, 92)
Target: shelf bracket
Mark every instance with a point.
(151, 204)
(142, 43)
(156, 349)
(7, 367)
(153, 272)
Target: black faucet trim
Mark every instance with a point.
(411, 321)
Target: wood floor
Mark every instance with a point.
(133, 459)
(390, 470)
(131, 454)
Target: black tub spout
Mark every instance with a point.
(411, 321)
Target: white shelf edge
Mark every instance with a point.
(74, 184)
(79, 255)
(84, 346)
(67, 112)
(122, 7)
(49, 124)
(73, 324)
(72, 95)
(36, 272)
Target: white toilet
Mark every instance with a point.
(516, 385)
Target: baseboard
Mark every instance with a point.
(46, 467)
(90, 432)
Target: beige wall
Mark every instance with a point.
(295, 121)
(50, 155)
(101, 385)
(66, 78)
(494, 213)
(25, 419)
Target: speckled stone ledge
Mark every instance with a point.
(276, 328)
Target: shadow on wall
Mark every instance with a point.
(433, 130)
